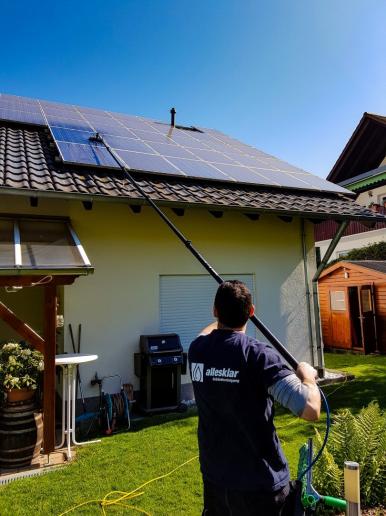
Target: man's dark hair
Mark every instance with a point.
(233, 303)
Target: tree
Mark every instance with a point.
(375, 251)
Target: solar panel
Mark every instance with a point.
(156, 147)
(69, 123)
(212, 156)
(22, 116)
(151, 136)
(171, 150)
(131, 144)
(86, 154)
(148, 162)
(132, 123)
(62, 134)
(195, 168)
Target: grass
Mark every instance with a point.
(125, 461)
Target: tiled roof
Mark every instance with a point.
(28, 164)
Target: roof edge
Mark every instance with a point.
(348, 263)
(128, 200)
(359, 127)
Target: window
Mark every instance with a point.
(186, 304)
(366, 300)
(337, 300)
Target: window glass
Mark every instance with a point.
(337, 300)
(7, 248)
(47, 244)
(366, 300)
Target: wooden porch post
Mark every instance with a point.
(50, 308)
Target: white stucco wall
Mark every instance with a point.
(353, 242)
(120, 301)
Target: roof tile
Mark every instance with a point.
(28, 161)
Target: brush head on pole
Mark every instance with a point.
(96, 138)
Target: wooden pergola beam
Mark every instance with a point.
(27, 281)
(50, 310)
(22, 328)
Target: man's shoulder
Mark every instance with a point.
(257, 346)
(198, 342)
(263, 352)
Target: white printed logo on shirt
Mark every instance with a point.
(197, 372)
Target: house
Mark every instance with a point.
(361, 168)
(80, 241)
(352, 298)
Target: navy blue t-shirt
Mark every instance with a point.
(239, 448)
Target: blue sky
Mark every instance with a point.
(291, 77)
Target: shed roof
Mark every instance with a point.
(29, 166)
(374, 267)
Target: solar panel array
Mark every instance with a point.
(156, 147)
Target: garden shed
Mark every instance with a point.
(352, 297)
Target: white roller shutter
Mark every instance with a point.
(186, 304)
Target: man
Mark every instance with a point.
(235, 379)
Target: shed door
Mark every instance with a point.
(186, 304)
(339, 319)
(367, 318)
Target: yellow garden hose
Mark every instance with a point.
(119, 497)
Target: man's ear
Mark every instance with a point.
(252, 311)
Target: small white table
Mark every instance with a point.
(69, 363)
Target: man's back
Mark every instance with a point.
(231, 374)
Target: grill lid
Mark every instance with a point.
(161, 343)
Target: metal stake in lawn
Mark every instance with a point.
(259, 325)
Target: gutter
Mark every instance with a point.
(52, 194)
(322, 266)
(308, 294)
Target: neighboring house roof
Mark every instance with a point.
(29, 165)
(376, 268)
(365, 150)
(362, 182)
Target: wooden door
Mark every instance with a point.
(368, 318)
(339, 318)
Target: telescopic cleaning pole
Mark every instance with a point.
(259, 325)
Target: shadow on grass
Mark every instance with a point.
(357, 394)
(161, 419)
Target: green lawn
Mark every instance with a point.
(125, 461)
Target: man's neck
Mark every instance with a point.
(221, 326)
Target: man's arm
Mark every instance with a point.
(208, 329)
(299, 392)
(307, 375)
